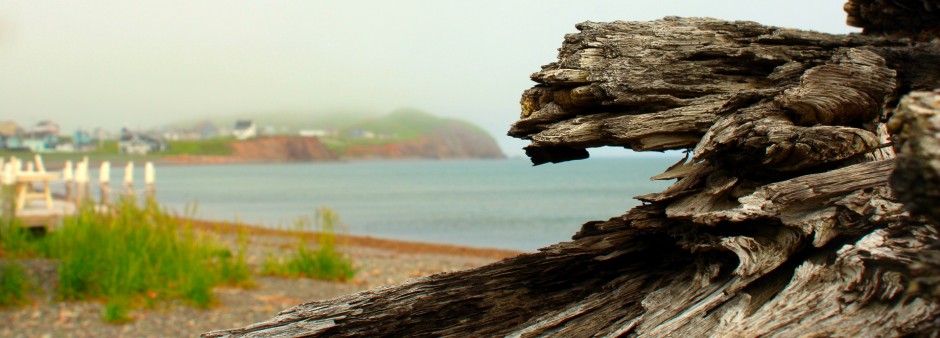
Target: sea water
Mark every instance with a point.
(484, 203)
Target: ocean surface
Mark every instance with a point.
(483, 203)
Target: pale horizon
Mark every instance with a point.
(145, 64)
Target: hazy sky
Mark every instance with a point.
(120, 63)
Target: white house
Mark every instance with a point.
(134, 143)
(245, 129)
(313, 133)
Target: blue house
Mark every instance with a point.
(13, 142)
(40, 143)
(83, 141)
(42, 138)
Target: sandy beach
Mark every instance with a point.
(378, 262)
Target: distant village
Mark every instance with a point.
(47, 137)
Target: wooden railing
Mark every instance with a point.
(30, 180)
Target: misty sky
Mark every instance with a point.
(141, 64)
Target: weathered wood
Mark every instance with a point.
(851, 88)
(685, 73)
(781, 221)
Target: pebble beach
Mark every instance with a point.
(378, 262)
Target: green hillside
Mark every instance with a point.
(289, 122)
(409, 123)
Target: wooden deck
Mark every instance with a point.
(39, 208)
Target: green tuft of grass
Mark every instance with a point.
(234, 269)
(133, 251)
(14, 285)
(16, 241)
(324, 262)
(116, 311)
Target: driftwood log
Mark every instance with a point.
(782, 220)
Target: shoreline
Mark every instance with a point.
(189, 159)
(386, 244)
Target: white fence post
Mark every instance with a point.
(104, 180)
(68, 177)
(150, 180)
(129, 179)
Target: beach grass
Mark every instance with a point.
(134, 255)
(234, 269)
(15, 241)
(322, 262)
(14, 285)
(133, 252)
(131, 255)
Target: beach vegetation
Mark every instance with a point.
(322, 262)
(131, 255)
(14, 285)
(117, 311)
(15, 240)
(233, 268)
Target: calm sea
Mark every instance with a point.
(485, 203)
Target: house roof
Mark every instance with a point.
(244, 124)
